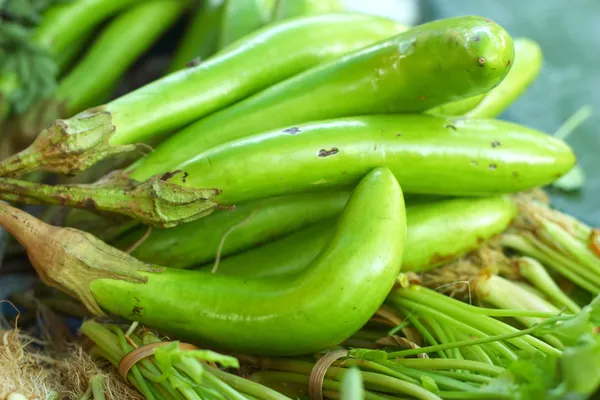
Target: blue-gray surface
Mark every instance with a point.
(569, 34)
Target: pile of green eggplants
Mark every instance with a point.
(350, 154)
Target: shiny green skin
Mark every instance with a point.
(321, 307)
(64, 25)
(293, 8)
(201, 36)
(428, 155)
(118, 46)
(262, 59)
(525, 69)
(197, 242)
(437, 233)
(423, 67)
(241, 17)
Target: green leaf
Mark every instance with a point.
(368, 354)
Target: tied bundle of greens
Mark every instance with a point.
(171, 370)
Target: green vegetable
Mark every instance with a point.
(200, 39)
(293, 8)
(436, 233)
(241, 17)
(122, 42)
(171, 371)
(249, 225)
(526, 67)
(560, 242)
(61, 28)
(178, 99)
(427, 154)
(428, 65)
(275, 316)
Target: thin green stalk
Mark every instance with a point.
(466, 376)
(246, 386)
(507, 336)
(572, 245)
(440, 380)
(537, 275)
(467, 328)
(422, 330)
(437, 330)
(438, 363)
(464, 313)
(528, 245)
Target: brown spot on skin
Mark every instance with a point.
(184, 177)
(481, 61)
(326, 153)
(450, 126)
(515, 174)
(474, 163)
(137, 310)
(375, 147)
(495, 144)
(169, 175)
(476, 38)
(508, 64)
(194, 63)
(493, 166)
(398, 134)
(480, 240)
(292, 131)
(89, 204)
(423, 97)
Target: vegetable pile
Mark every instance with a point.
(328, 206)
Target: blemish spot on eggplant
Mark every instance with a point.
(137, 310)
(450, 126)
(292, 131)
(476, 38)
(327, 153)
(474, 163)
(423, 98)
(493, 166)
(508, 64)
(375, 147)
(496, 143)
(194, 63)
(398, 134)
(481, 61)
(515, 174)
(184, 177)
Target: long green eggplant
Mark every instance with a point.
(426, 66)
(428, 155)
(526, 67)
(293, 8)
(251, 224)
(437, 233)
(262, 59)
(241, 17)
(201, 37)
(64, 25)
(314, 311)
(125, 39)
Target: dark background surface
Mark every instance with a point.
(569, 34)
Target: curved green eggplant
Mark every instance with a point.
(428, 155)
(525, 69)
(253, 224)
(428, 65)
(437, 233)
(281, 316)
